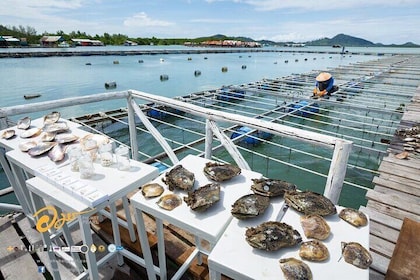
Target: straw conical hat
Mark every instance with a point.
(322, 77)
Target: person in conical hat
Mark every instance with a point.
(324, 85)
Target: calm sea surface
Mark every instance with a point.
(60, 77)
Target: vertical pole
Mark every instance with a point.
(132, 128)
(337, 170)
(209, 141)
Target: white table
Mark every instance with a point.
(208, 225)
(234, 257)
(111, 182)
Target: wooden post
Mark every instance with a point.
(209, 141)
(337, 170)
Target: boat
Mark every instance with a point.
(31, 96)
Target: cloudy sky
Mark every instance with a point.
(379, 21)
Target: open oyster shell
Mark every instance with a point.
(220, 171)
(30, 132)
(203, 197)
(169, 201)
(294, 269)
(179, 178)
(271, 187)
(315, 226)
(24, 123)
(250, 205)
(52, 117)
(41, 148)
(309, 202)
(355, 254)
(8, 134)
(152, 190)
(272, 235)
(314, 250)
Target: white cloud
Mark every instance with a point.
(142, 19)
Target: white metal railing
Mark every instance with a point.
(341, 148)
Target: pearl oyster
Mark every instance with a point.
(179, 178)
(271, 187)
(65, 138)
(169, 201)
(52, 117)
(272, 235)
(41, 148)
(294, 269)
(203, 197)
(250, 205)
(314, 250)
(354, 217)
(30, 132)
(220, 171)
(56, 127)
(7, 134)
(25, 146)
(24, 123)
(56, 153)
(315, 226)
(152, 190)
(355, 254)
(47, 136)
(309, 202)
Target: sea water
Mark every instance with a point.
(61, 77)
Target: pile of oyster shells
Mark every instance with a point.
(411, 141)
(274, 235)
(179, 178)
(52, 136)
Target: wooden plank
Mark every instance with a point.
(381, 246)
(405, 259)
(15, 264)
(380, 264)
(384, 231)
(395, 201)
(406, 196)
(397, 185)
(379, 217)
(391, 211)
(411, 163)
(375, 275)
(399, 170)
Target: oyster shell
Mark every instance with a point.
(57, 127)
(354, 217)
(309, 202)
(271, 236)
(294, 269)
(7, 134)
(203, 197)
(179, 178)
(271, 187)
(52, 117)
(25, 146)
(169, 201)
(65, 138)
(220, 171)
(41, 148)
(250, 205)
(355, 254)
(47, 136)
(314, 250)
(24, 123)
(152, 190)
(315, 226)
(56, 153)
(100, 140)
(30, 132)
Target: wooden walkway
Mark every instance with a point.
(396, 196)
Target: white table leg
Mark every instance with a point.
(38, 203)
(84, 224)
(214, 275)
(130, 226)
(144, 242)
(161, 249)
(116, 231)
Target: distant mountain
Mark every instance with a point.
(342, 40)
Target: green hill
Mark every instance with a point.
(342, 40)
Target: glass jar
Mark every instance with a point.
(123, 158)
(86, 166)
(90, 147)
(105, 154)
(74, 152)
